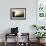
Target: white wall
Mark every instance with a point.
(24, 25)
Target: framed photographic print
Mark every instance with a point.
(18, 13)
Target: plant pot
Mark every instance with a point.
(40, 41)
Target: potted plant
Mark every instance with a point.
(39, 35)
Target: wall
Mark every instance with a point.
(24, 25)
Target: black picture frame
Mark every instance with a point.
(17, 13)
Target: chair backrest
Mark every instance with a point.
(14, 30)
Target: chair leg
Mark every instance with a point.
(5, 39)
(5, 43)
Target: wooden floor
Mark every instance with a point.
(13, 44)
